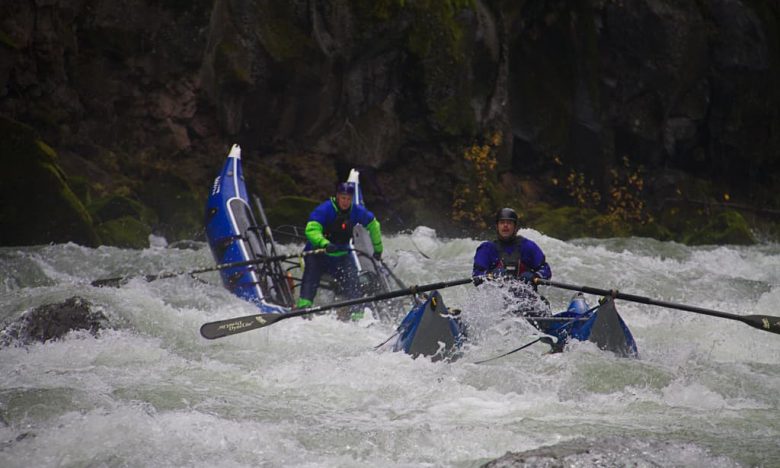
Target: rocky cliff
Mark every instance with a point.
(631, 117)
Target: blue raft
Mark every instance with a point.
(430, 329)
(601, 325)
(233, 236)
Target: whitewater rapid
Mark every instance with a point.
(151, 392)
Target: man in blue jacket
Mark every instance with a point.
(510, 256)
(330, 228)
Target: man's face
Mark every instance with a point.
(506, 228)
(344, 201)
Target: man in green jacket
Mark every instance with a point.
(330, 227)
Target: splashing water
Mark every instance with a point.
(151, 392)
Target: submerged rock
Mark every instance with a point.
(53, 321)
(612, 451)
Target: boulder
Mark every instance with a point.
(54, 321)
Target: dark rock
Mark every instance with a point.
(186, 245)
(37, 205)
(53, 321)
(291, 211)
(740, 41)
(177, 205)
(126, 90)
(119, 206)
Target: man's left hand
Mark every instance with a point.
(378, 256)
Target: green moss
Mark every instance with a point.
(179, 211)
(37, 205)
(453, 117)
(564, 223)
(727, 227)
(230, 62)
(119, 206)
(377, 10)
(280, 37)
(271, 183)
(570, 222)
(437, 39)
(290, 211)
(82, 188)
(126, 232)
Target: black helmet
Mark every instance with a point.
(506, 213)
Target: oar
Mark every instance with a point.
(222, 328)
(510, 352)
(392, 275)
(383, 265)
(762, 322)
(118, 281)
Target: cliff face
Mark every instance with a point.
(639, 115)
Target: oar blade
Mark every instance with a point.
(763, 322)
(223, 328)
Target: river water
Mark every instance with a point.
(152, 392)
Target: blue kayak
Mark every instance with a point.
(233, 236)
(430, 329)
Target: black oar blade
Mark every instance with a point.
(222, 328)
(763, 322)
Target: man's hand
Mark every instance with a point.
(528, 277)
(378, 256)
(331, 248)
(478, 280)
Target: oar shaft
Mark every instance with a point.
(276, 258)
(222, 328)
(641, 299)
(762, 322)
(223, 266)
(413, 290)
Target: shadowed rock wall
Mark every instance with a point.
(142, 99)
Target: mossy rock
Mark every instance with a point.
(37, 205)
(179, 210)
(120, 206)
(126, 232)
(570, 222)
(727, 227)
(653, 230)
(82, 188)
(682, 218)
(292, 211)
(563, 223)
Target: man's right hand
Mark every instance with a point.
(331, 248)
(478, 280)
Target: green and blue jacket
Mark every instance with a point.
(327, 224)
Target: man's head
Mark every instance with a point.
(344, 193)
(506, 223)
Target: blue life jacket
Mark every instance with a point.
(510, 258)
